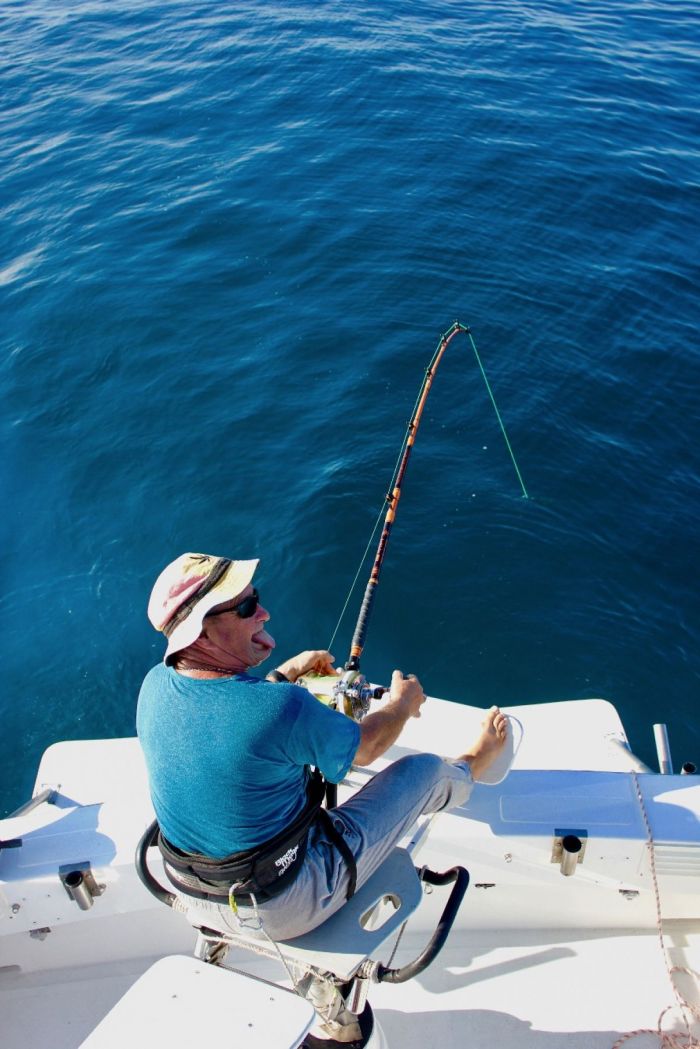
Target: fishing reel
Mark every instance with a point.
(352, 694)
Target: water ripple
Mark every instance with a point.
(230, 239)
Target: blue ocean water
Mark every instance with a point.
(231, 236)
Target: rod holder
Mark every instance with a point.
(78, 890)
(570, 848)
(79, 882)
(663, 750)
(688, 768)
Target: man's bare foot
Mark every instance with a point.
(489, 744)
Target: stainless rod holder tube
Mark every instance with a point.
(688, 768)
(79, 890)
(570, 849)
(663, 750)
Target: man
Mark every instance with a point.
(228, 757)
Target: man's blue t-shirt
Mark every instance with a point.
(226, 757)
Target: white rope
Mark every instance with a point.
(667, 1039)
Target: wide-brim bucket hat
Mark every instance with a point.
(188, 588)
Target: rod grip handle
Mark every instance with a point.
(358, 638)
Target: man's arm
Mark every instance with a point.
(383, 727)
(312, 661)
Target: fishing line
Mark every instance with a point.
(498, 414)
(393, 496)
(329, 646)
(382, 510)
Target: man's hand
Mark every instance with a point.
(383, 726)
(312, 661)
(407, 692)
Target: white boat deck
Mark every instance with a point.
(569, 991)
(535, 960)
(563, 991)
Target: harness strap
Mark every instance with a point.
(343, 848)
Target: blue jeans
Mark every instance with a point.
(371, 822)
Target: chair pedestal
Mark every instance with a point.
(324, 964)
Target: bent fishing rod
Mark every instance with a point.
(352, 693)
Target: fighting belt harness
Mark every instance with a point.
(263, 871)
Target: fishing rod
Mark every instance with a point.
(352, 694)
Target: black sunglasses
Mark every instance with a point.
(244, 609)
